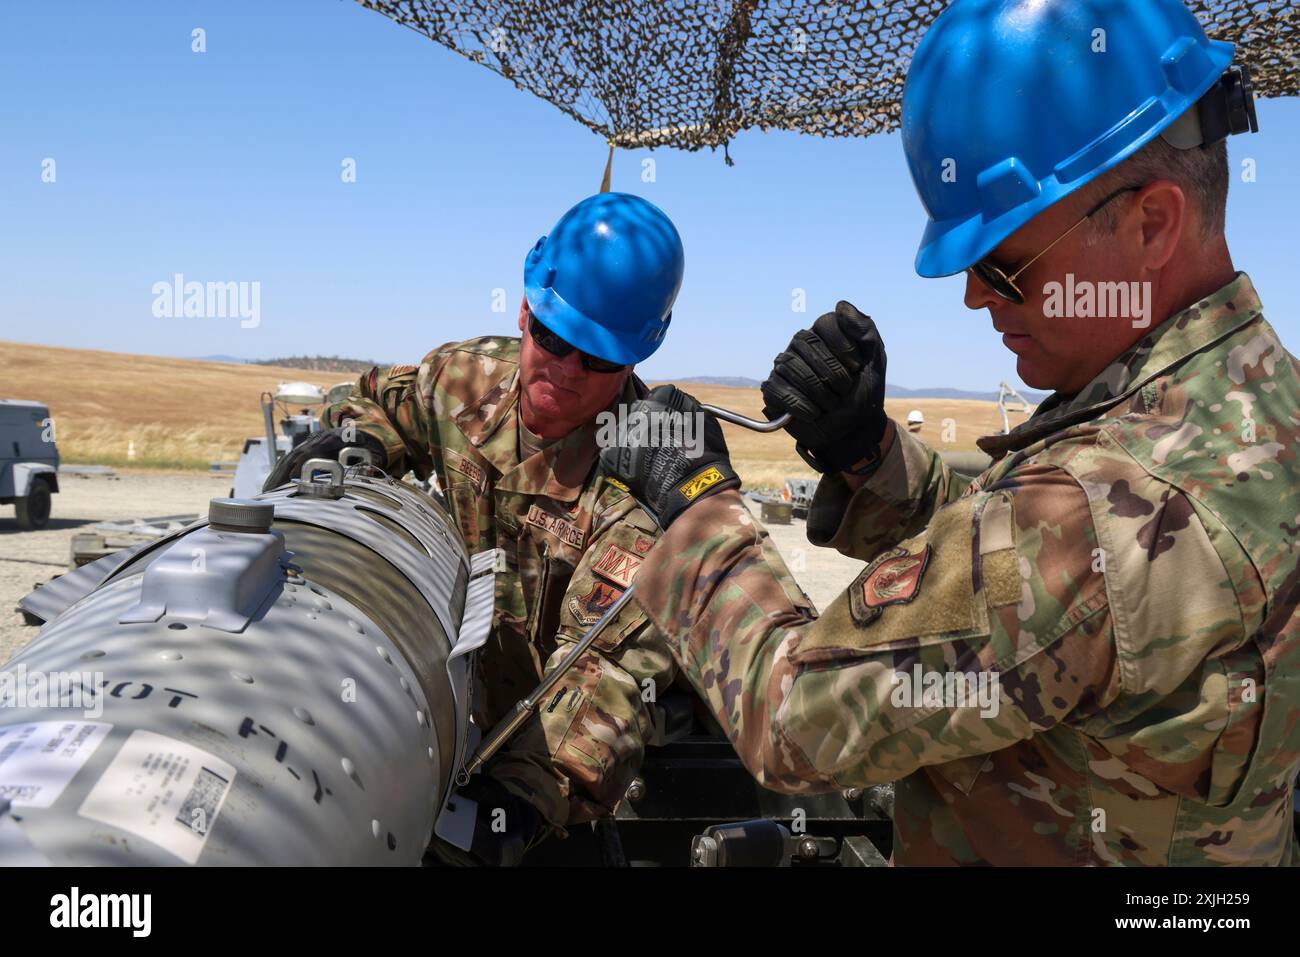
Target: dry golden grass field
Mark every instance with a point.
(179, 413)
(182, 413)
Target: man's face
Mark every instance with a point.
(557, 393)
(1057, 343)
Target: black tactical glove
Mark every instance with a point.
(831, 379)
(665, 478)
(326, 444)
(506, 826)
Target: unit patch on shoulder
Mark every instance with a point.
(618, 565)
(643, 544)
(595, 603)
(893, 578)
(566, 532)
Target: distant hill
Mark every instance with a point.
(319, 363)
(736, 382)
(182, 413)
(898, 392)
(340, 365)
(891, 391)
(309, 363)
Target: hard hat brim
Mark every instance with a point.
(952, 246)
(576, 329)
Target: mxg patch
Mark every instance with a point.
(618, 565)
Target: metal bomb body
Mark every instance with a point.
(286, 683)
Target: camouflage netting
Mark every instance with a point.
(693, 73)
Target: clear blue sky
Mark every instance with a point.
(225, 166)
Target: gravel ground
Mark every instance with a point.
(27, 558)
(821, 572)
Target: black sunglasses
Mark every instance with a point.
(559, 347)
(1004, 284)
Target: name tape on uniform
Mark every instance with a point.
(472, 470)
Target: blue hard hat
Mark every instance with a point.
(606, 276)
(1008, 109)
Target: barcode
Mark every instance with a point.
(199, 809)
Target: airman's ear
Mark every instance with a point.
(523, 313)
(1161, 216)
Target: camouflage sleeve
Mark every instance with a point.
(395, 406)
(576, 762)
(986, 626)
(895, 503)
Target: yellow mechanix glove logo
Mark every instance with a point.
(691, 488)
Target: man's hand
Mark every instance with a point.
(326, 444)
(831, 379)
(666, 478)
(506, 826)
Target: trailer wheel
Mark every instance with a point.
(33, 509)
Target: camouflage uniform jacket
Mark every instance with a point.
(571, 543)
(1123, 576)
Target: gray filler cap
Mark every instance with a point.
(240, 515)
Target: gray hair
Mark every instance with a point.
(1202, 173)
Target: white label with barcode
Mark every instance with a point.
(164, 790)
(38, 759)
